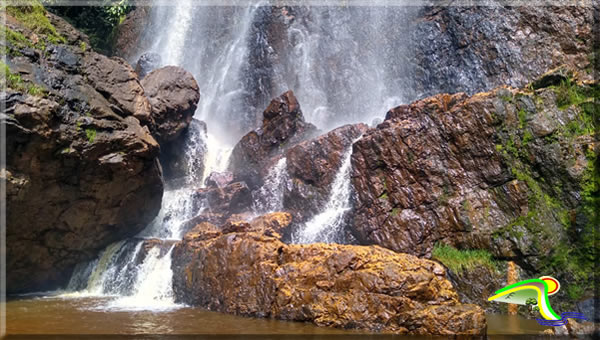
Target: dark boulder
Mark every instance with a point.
(232, 199)
(283, 126)
(173, 94)
(312, 166)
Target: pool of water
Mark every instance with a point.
(34, 316)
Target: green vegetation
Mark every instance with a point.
(33, 16)
(460, 260)
(101, 31)
(83, 46)
(90, 134)
(15, 82)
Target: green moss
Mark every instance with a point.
(90, 134)
(15, 82)
(395, 212)
(384, 196)
(522, 118)
(463, 260)
(33, 16)
(83, 46)
(527, 137)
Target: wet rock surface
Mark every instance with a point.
(219, 179)
(283, 125)
(476, 48)
(82, 171)
(238, 270)
(147, 63)
(312, 166)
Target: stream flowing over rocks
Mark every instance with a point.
(307, 163)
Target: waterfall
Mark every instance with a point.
(344, 63)
(269, 197)
(348, 64)
(326, 226)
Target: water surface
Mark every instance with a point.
(90, 315)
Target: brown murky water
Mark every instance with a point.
(47, 316)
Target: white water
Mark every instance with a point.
(153, 287)
(326, 226)
(269, 197)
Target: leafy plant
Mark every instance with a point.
(90, 134)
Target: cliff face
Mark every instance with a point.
(510, 171)
(82, 166)
(477, 48)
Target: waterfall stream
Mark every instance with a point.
(326, 226)
(269, 197)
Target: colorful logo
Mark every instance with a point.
(535, 293)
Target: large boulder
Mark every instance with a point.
(283, 125)
(81, 170)
(248, 271)
(173, 94)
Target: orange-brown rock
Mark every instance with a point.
(370, 288)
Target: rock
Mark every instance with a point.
(81, 171)
(147, 63)
(312, 166)
(369, 288)
(283, 126)
(128, 40)
(467, 171)
(118, 83)
(477, 48)
(73, 187)
(173, 94)
(232, 199)
(71, 35)
(588, 308)
(218, 179)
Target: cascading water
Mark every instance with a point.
(326, 226)
(340, 61)
(269, 197)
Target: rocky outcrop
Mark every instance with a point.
(81, 172)
(510, 171)
(283, 126)
(476, 48)
(232, 199)
(128, 41)
(312, 166)
(245, 271)
(173, 94)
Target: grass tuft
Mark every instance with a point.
(33, 16)
(463, 260)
